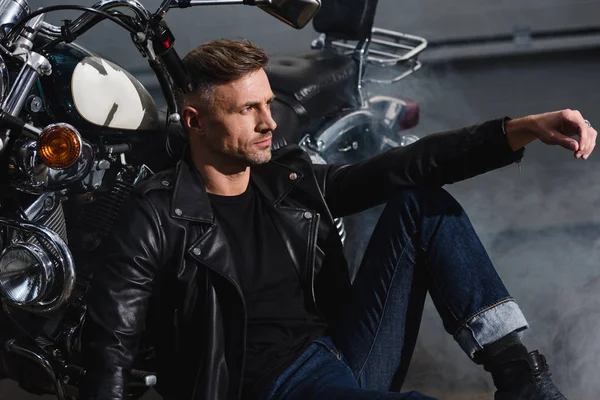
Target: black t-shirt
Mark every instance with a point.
(279, 325)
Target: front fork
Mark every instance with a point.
(34, 66)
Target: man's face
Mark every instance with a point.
(239, 124)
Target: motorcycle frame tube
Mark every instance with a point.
(360, 54)
(65, 259)
(14, 348)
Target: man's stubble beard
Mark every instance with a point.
(259, 157)
(248, 159)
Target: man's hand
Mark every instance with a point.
(555, 128)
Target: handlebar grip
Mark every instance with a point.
(8, 121)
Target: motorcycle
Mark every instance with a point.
(61, 186)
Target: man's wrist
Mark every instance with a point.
(518, 132)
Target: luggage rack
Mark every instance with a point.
(384, 48)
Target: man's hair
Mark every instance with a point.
(219, 62)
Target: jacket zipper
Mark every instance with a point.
(312, 242)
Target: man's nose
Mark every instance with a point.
(267, 123)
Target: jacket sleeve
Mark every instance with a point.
(432, 161)
(124, 270)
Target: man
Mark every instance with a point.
(234, 261)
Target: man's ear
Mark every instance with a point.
(192, 121)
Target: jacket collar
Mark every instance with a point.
(275, 180)
(190, 201)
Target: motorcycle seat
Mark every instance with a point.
(315, 84)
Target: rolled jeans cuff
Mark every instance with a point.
(490, 325)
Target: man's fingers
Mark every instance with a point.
(575, 124)
(592, 134)
(564, 141)
(586, 142)
(587, 139)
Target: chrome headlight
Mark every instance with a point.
(26, 273)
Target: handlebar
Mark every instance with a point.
(168, 56)
(145, 20)
(88, 20)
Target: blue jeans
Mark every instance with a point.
(423, 242)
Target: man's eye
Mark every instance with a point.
(246, 110)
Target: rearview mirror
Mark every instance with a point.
(296, 13)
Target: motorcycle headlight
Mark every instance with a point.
(26, 272)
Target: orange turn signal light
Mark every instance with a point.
(59, 146)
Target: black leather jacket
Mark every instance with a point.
(167, 271)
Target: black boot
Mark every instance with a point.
(524, 378)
